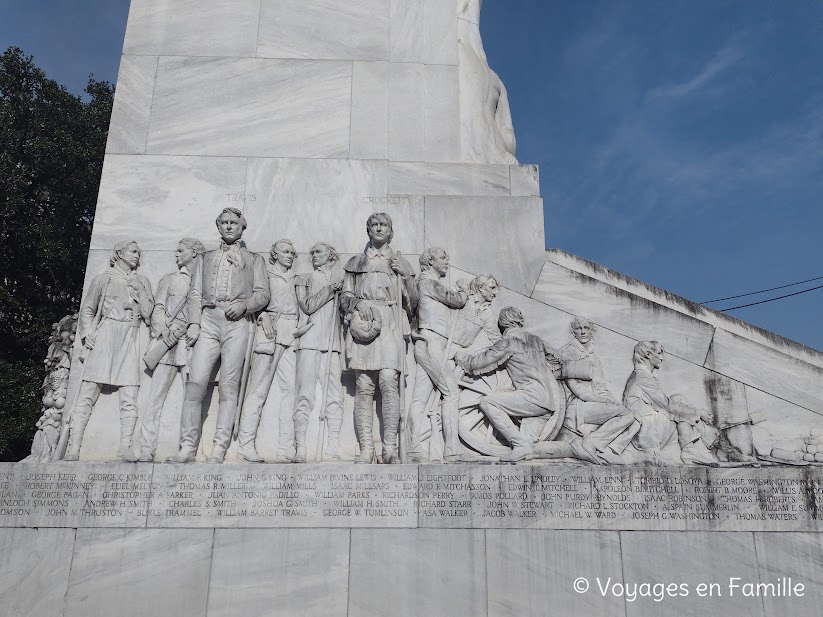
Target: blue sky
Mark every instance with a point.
(679, 142)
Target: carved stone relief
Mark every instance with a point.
(485, 386)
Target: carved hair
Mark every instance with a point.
(510, 317)
(194, 244)
(233, 211)
(333, 254)
(479, 281)
(119, 248)
(645, 348)
(386, 218)
(284, 241)
(428, 255)
(581, 321)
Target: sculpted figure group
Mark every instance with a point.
(263, 322)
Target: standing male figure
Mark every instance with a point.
(228, 286)
(592, 411)
(169, 321)
(436, 322)
(476, 316)
(315, 297)
(671, 431)
(375, 353)
(273, 355)
(530, 364)
(110, 317)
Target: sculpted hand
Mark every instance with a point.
(460, 357)
(192, 334)
(236, 310)
(336, 287)
(135, 285)
(400, 267)
(89, 342)
(268, 326)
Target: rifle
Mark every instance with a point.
(402, 429)
(322, 428)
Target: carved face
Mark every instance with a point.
(319, 256)
(583, 332)
(184, 255)
(489, 291)
(284, 254)
(230, 227)
(379, 230)
(130, 256)
(656, 356)
(440, 263)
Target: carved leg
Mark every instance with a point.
(390, 394)
(161, 381)
(363, 415)
(128, 420)
(334, 409)
(89, 393)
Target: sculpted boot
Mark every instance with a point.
(301, 427)
(78, 427)
(363, 425)
(185, 455)
(127, 424)
(333, 441)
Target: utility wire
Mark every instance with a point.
(754, 293)
(797, 293)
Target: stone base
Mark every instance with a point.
(119, 540)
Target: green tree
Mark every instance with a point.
(52, 144)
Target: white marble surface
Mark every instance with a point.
(417, 572)
(277, 572)
(441, 113)
(251, 107)
(767, 369)
(159, 199)
(406, 119)
(370, 111)
(129, 124)
(423, 31)
(324, 29)
(690, 558)
(623, 312)
(798, 556)
(468, 226)
(530, 571)
(192, 27)
(34, 570)
(525, 180)
(134, 573)
(448, 179)
(329, 200)
(785, 420)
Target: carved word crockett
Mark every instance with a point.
(485, 118)
(434, 342)
(273, 355)
(379, 298)
(228, 286)
(318, 355)
(593, 413)
(110, 317)
(671, 431)
(55, 389)
(530, 363)
(168, 354)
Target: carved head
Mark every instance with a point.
(510, 317)
(126, 253)
(648, 353)
(582, 329)
(187, 250)
(283, 253)
(323, 253)
(379, 228)
(436, 259)
(231, 223)
(484, 286)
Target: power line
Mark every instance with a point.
(797, 293)
(754, 293)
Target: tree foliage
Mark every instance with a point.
(52, 144)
